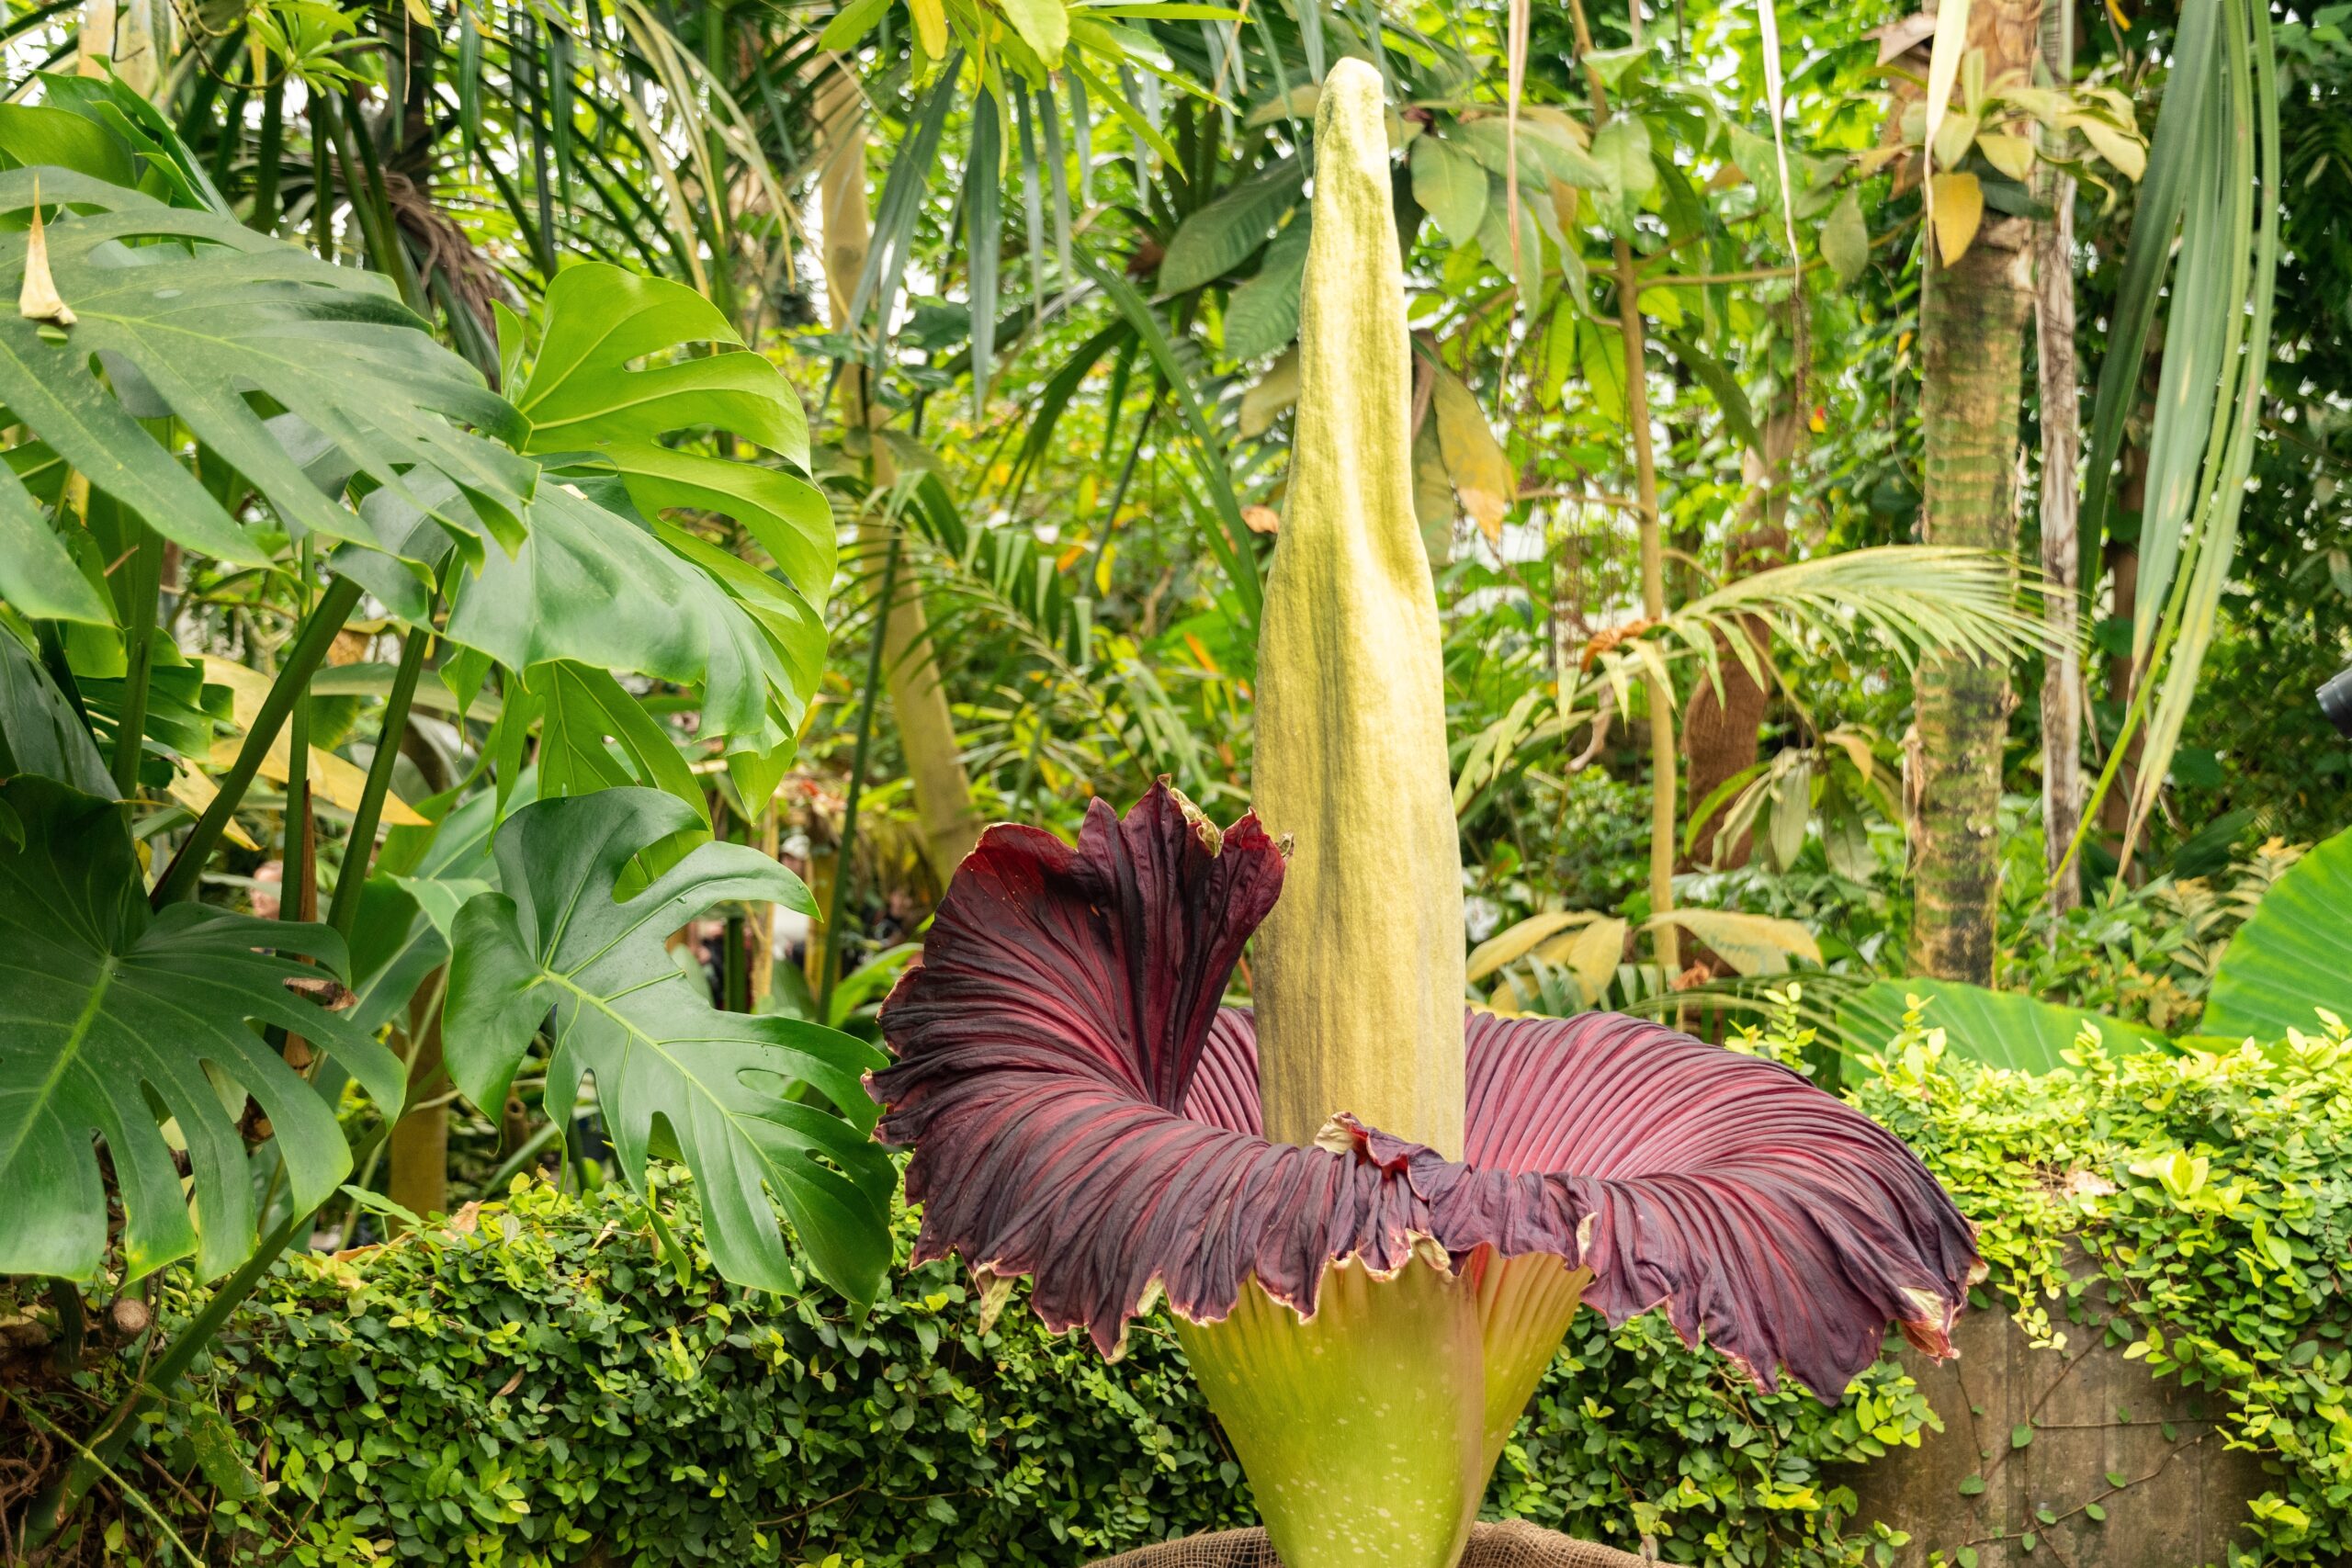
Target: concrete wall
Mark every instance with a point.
(2092, 1412)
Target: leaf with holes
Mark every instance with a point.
(673, 1074)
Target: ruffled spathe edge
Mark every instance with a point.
(1082, 1113)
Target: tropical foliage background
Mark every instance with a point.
(557, 522)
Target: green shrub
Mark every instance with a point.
(560, 1384)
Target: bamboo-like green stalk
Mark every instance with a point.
(311, 644)
(846, 852)
(268, 155)
(360, 848)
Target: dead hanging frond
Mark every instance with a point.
(472, 281)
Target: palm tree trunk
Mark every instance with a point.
(943, 789)
(1971, 334)
(1719, 733)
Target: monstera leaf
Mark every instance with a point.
(112, 1020)
(582, 398)
(598, 587)
(188, 314)
(2293, 957)
(672, 1071)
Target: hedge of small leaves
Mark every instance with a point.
(561, 1384)
(2212, 1193)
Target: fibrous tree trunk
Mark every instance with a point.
(943, 789)
(1973, 342)
(1720, 731)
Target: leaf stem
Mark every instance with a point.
(359, 849)
(845, 853)
(145, 566)
(318, 632)
(56, 1506)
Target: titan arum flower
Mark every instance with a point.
(1372, 1220)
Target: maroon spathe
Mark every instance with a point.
(1084, 1112)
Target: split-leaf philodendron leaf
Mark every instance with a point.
(115, 1020)
(554, 939)
(188, 314)
(582, 396)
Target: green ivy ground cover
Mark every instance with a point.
(558, 1385)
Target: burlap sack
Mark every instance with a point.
(1514, 1544)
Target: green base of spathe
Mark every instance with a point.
(1368, 1431)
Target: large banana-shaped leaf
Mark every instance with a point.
(1999, 1029)
(190, 314)
(2293, 957)
(112, 1019)
(555, 937)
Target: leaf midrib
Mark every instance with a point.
(67, 1055)
(635, 1033)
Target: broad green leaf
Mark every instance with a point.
(2012, 154)
(591, 585)
(425, 877)
(1846, 239)
(851, 23)
(1451, 186)
(581, 392)
(38, 732)
(1223, 235)
(2293, 957)
(1515, 942)
(1044, 26)
(582, 396)
(1723, 386)
(1601, 351)
(1263, 313)
(1999, 1029)
(112, 1019)
(199, 328)
(554, 937)
(1274, 391)
(1621, 148)
(32, 135)
(37, 576)
(1475, 460)
(1526, 269)
(593, 735)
